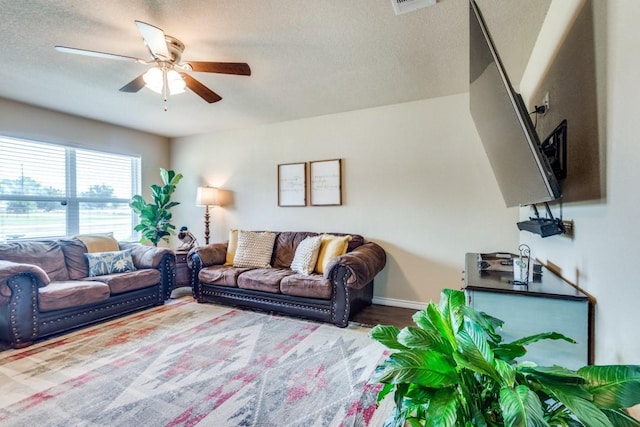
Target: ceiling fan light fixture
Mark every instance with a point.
(153, 79)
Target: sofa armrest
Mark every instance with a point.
(211, 254)
(146, 256)
(361, 264)
(19, 293)
(9, 269)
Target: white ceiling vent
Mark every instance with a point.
(405, 6)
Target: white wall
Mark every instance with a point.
(416, 181)
(602, 257)
(29, 122)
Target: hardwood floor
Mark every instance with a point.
(385, 315)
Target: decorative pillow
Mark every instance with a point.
(331, 247)
(101, 263)
(232, 245)
(99, 242)
(306, 256)
(254, 249)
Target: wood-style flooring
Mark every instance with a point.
(385, 315)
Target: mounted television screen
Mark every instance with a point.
(522, 171)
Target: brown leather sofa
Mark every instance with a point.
(44, 288)
(345, 287)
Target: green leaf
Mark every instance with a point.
(489, 323)
(509, 352)
(443, 408)
(620, 418)
(166, 175)
(521, 407)
(413, 337)
(384, 391)
(584, 410)
(424, 367)
(421, 319)
(475, 352)
(388, 336)
(441, 324)
(450, 303)
(506, 371)
(542, 336)
(613, 386)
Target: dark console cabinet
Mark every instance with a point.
(547, 304)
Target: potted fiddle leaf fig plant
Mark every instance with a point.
(155, 217)
(453, 369)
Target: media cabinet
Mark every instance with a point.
(547, 304)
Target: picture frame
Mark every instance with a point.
(292, 184)
(326, 182)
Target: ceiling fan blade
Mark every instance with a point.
(154, 40)
(134, 85)
(239, 68)
(201, 90)
(85, 52)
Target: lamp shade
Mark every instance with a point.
(154, 80)
(207, 196)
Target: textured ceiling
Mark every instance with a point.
(308, 57)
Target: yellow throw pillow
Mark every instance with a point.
(331, 247)
(232, 246)
(99, 242)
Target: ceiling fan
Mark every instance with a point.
(168, 76)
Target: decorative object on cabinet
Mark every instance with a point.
(292, 184)
(207, 196)
(455, 368)
(187, 238)
(326, 182)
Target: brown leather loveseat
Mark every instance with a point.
(343, 286)
(48, 287)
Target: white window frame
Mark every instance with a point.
(71, 200)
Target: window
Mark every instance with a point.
(49, 190)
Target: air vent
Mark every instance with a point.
(405, 6)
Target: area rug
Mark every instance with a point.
(186, 364)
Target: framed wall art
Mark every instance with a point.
(326, 182)
(292, 184)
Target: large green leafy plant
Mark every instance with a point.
(155, 218)
(453, 369)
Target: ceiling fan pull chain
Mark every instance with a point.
(165, 86)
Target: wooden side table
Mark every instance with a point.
(183, 272)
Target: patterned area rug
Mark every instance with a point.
(186, 364)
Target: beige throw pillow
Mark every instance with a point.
(254, 249)
(304, 260)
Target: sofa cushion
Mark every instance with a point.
(304, 260)
(254, 249)
(263, 279)
(71, 293)
(74, 250)
(129, 281)
(285, 247)
(222, 275)
(313, 286)
(102, 263)
(45, 254)
(331, 246)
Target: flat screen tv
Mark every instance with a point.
(522, 171)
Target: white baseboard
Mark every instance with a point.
(399, 303)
